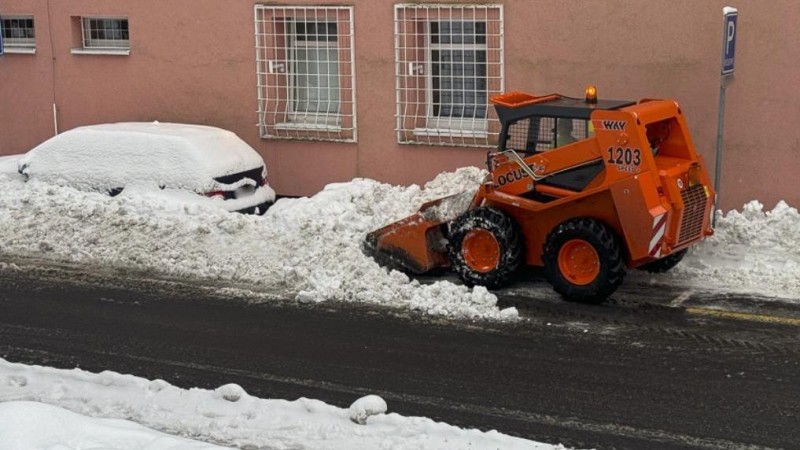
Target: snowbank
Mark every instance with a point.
(226, 416)
(308, 248)
(753, 251)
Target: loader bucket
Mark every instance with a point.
(418, 243)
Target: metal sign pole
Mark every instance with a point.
(720, 126)
(730, 17)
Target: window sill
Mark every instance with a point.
(307, 127)
(19, 51)
(104, 51)
(445, 132)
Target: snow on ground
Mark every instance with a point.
(35, 426)
(753, 251)
(309, 249)
(46, 408)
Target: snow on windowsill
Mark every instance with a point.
(101, 51)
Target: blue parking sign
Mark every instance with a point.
(729, 39)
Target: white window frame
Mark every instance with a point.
(276, 48)
(26, 45)
(102, 46)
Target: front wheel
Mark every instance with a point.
(485, 247)
(583, 261)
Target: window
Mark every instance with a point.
(19, 35)
(458, 70)
(304, 59)
(104, 35)
(449, 63)
(315, 73)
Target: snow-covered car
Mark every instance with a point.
(108, 158)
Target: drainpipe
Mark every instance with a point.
(52, 66)
(55, 119)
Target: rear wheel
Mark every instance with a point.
(666, 263)
(485, 247)
(583, 261)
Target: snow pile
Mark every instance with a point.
(308, 248)
(753, 251)
(226, 416)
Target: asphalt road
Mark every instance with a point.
(629, 374)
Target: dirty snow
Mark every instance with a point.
(46, 408)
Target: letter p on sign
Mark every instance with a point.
(730, 16)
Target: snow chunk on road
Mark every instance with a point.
(231, 392)
(365, 407)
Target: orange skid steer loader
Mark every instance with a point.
(584, 188)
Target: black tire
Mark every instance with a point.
(488, 223)
(666, 263)
(608, 268)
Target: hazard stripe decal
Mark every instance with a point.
(659, 228)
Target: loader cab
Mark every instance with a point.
(538, 134)
(537, 124)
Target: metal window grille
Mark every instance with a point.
(449, 62)
(306, 78)
(18, 32)
(105, 33)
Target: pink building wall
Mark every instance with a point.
(194, 61)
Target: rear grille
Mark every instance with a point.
(694, 209)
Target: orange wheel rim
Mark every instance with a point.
(480, 250)
(579, 262)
